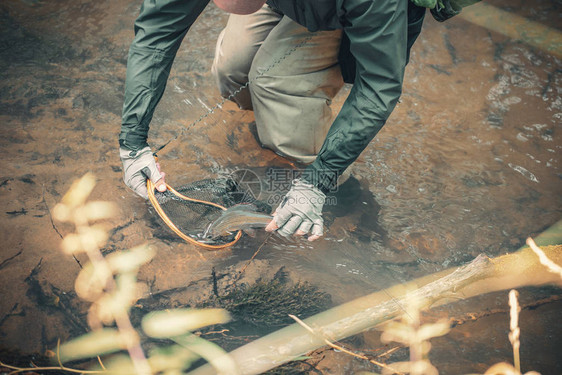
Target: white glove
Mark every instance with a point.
(137, 167)
(300, 212)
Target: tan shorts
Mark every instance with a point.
(294, 75)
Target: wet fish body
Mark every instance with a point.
(235, 218)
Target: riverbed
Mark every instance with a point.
(468, 163)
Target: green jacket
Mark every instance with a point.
(377, 38)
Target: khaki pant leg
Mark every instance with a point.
(292, 97)
(236, 47)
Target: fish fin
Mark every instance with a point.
(206, 233)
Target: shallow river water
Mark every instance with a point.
(468, 163)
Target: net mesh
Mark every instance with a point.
(193, 218)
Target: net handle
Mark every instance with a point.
(152, 198)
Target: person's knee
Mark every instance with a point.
(253, 77)
(221, 67)
(221, 78)
(264, 87)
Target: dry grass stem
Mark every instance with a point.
(222, 332)
(390, 351)
(101, 363)
(545, 261)
(342, 349)
(255, 254)
(514, 327)
(18, 370)
(89, 238)
(410, 332)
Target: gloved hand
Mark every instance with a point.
(300, 212)
(137, 167)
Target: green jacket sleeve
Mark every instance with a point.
(378, 36)
(159, 30)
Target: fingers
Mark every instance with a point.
(139, 165)
(152, 172)
(271, 226)
(304, 228)
(155, 175)
(290, 226)
(317, 229)
(161, 183)
(281, 216)
(298, 215)
(314, 237)
(137, 181)
(295, 225)
(138, 184)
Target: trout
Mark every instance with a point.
(235, 218)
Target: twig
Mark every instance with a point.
(49, 212)
(35, 270)
(12, 313)
(342, 349)
(545, 261)
(390, 351)
(63, 368)
(9, 259)
(101, 363)
(50, 368)
(473, 316)
(255, 254)
(77, 261)
(514, 327)
(53, 224)
(239, 275)
(222, 331)
(58, 353)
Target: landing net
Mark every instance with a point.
(190, 209)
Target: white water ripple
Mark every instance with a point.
(528, 175)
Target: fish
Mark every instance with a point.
(235, 218)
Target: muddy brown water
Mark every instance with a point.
(468, 163)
